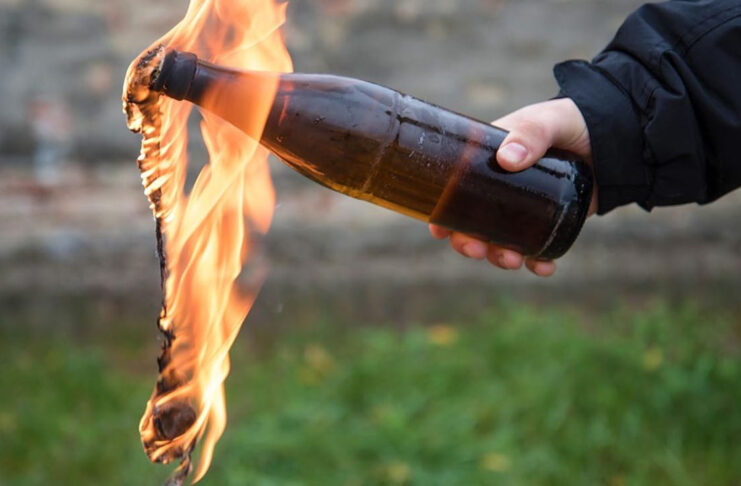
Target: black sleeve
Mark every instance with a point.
(663, 104)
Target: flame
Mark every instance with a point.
(206, 237)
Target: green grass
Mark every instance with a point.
(521, 397)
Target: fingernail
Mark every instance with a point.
(513, 153)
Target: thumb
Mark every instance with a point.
(533, 130)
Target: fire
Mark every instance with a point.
(205, 237)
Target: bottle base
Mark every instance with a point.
(572, 217)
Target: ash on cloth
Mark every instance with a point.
(206, 238)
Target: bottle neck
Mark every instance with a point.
(243, 98)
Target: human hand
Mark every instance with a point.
(532, 131)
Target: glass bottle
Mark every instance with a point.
(376, 144)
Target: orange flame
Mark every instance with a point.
(208, 233)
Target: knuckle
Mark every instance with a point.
(533, 130)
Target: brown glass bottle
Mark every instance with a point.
(376, 144)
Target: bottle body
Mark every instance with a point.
(376, 144)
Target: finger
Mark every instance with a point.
(504, 258)
(541, 268)
(468, 246)
(536, 128)
(439, 232)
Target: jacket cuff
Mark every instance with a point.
(615, 134)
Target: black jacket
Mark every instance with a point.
(663, 104)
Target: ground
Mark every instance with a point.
(515, 397)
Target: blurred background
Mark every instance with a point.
(374, 355)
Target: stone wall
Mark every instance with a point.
(92, 232)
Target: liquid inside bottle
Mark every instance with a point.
(376, 144)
